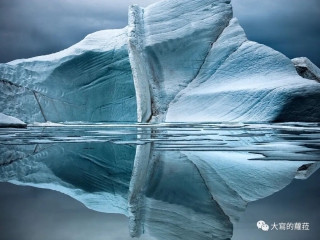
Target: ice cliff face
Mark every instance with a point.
(201, 67)
(90, 81)
(171, 47)
(194, 59)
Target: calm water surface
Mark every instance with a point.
(175, 180)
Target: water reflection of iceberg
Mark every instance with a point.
(167, 193)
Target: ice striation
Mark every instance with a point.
(215, 73)
(90, 81)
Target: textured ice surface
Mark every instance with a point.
(90, 81)
(193, 63)
(167, 50)
(201, 67)
(244, 81)
(8, 121)
(306, 68)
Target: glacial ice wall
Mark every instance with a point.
(242, 80)
(90, 81)
(201, 67)
(167, 50)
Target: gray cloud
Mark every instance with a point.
(289, 26)
(36, 27)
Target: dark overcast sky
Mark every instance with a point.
(37, 27)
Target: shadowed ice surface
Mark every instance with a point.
(173, 181)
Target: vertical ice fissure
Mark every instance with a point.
(138, 62)
(40, 107)
(205, 58)
(180, 94)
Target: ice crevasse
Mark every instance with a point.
(192, 64)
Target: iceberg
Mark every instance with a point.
(306, 68)
(90, 81)
(213, 72)
(195, 58)
(8, 121)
